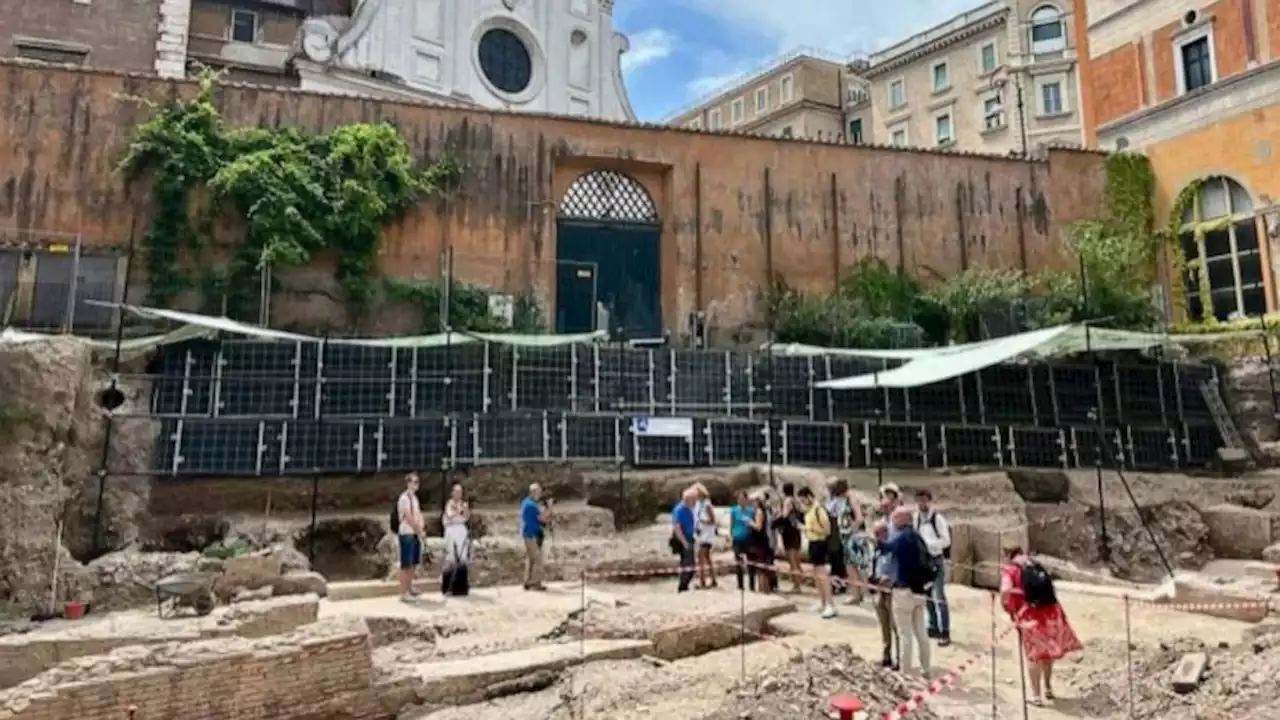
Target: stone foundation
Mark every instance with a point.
(322, 671)
(24, 656)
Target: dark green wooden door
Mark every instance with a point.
(575, 297)
(608, 222)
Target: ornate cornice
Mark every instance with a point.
(937, 45)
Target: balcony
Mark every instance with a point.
(857, 96)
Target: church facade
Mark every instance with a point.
(555, 56)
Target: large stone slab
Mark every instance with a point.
(1238, 532)
(461, 681)
(1204, 597)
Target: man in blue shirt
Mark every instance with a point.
(683, 524)
(532, 518)
(911, 580)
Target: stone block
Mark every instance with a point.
(248, 572)
(1237, 532)
(300, 583)
(1272, 554)
(1204, 597)
(989, 542)
(1186, 677)
(961, 554)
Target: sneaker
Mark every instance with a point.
(933, 634)
(828, 612)
(408, 599)
(944, 640)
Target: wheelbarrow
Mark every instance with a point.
(180, 591)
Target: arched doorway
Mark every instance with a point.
(1220, 247)
(607, 257)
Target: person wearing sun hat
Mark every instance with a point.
(890, 499)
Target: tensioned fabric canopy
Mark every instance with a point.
(931, 365)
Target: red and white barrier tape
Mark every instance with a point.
(945, 682)
(718, 568)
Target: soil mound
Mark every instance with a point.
(801, 688)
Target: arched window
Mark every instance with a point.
(1220, 244)
(1048, 30)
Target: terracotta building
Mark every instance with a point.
(666, 222)
(1195, 85)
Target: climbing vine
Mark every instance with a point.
(1179, 266)
(288, 195)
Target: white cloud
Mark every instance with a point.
(647, 46)
(839, 27)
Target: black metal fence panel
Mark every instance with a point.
(258, 408)
(241, 447)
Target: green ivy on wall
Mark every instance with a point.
(1178, 263)
(293, 195)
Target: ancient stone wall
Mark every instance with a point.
(736, 211)
(322, 671)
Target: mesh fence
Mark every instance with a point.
(237, 407)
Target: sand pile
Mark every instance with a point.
(801, 688)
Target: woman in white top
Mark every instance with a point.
(704, 514)
(454, 579)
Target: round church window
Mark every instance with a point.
(505, 61)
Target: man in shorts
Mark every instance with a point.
(410, 536)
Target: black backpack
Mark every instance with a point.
(1037, 585)
(924, 573)
(395, 517)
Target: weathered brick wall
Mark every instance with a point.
(63, 132)
(121, 34)
(322, 671)
(24, 656)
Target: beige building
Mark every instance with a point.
(801, 94)
(997, 79)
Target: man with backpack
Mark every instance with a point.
(911, 583)
(933, 527)
(407, 523)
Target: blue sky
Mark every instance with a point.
(683, 49)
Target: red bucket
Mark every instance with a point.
(73, 610)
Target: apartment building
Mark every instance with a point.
(104, 33)
(801, 94)
(999, 78)
(1195, 86)
(252, 40)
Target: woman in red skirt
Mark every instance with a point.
(1026, 591)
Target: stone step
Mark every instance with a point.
(366, 589)
(461, 681)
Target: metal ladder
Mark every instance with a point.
(1221, 417)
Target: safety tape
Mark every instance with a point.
(945, 682)
(780, 570)
(1194, 607)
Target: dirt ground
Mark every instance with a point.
(698, 686)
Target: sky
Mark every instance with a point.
(684, 49)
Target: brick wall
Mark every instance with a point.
(1120, 81)
(121, 33)
(931, 213)
(24, 656)
(1117, 82)
(322, 671)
